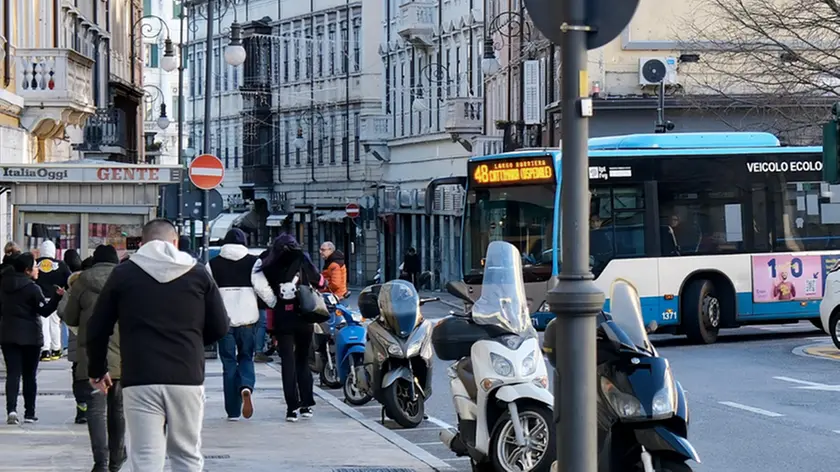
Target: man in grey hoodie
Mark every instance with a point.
(168, 309)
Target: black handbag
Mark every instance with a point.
(311, 305)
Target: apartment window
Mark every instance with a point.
(322, 137)
(331, 45)
(175, 109)
(308, 55)
(191, 69)
(152, 56)
(319, 38)
(357, 155)
(286, 143)
(345, 140)
(217, 67)
(285, 60)
(448, 66)
(176, 9)
(275, 62)
(403, 97)
(225, 77)
(332, 139)
(345, 41)
(234, 80)
(297, 55)
(357, 44)
(458, 70)
(200, 74)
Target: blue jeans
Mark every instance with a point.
(261, 327)
(236, 350)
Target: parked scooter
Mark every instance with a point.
(322, 356)
(642, 410)
(397, 368)
(499, 382)
(350, 353)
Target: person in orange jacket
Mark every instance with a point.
(335, 270)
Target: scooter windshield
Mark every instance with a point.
(626, 312)
(503, 302)
(399, 306)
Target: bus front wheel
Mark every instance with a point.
(701, 312)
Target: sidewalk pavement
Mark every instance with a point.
(329, 442)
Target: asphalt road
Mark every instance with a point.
(755, 405)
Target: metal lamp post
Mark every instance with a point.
(169, 61)
(234, 55)
(437, 75)
(153, 94)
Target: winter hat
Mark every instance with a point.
(104, 253)
(47, 249)
(73, 260)
(235, 236)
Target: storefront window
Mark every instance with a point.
(123, 232)
(62, 230)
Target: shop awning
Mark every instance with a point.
(224, 222)
(335, 216)
(276, 220)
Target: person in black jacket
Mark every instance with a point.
(168, 309)
(284, 260)
(22, 305)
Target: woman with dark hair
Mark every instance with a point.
(73, 260)
(22, 305)
(284, 260)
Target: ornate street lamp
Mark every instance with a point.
(509, 24)
(436, 75)
(169, 61)
(152, 94)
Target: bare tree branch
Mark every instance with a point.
(773, 58)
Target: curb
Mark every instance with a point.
(817, 351)
(413, 450)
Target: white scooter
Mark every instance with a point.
(499, 383)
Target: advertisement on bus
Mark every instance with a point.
(787, 277)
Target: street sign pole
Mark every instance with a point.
(576, 25)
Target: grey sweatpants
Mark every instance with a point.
(181, 409)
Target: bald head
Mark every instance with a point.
(160, 230)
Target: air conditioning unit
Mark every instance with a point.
(654, 70)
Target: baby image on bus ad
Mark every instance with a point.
(786, 277)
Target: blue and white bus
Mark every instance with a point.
(716, 230)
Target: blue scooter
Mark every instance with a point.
(350, 352)
(322, 355)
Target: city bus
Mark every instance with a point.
(715, 230)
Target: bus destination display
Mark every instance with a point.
(526, 170)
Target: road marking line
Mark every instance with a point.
(818, 338)
(836, 431)
(441, 423)
(752, 409)
(465, 458)
(435, 443)
(801, 382)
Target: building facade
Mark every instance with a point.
(289, 131)
(431, 117)
(160, 87)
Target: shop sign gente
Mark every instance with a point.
(52, 173)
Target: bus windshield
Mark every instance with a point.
(520, 215)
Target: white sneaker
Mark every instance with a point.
(307, 412)
(12, 418)
(232, 418)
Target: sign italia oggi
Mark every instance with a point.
(90, 175)
(794, 166)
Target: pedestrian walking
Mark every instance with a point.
(335, 269)
(22, 307)
(106, 420)
(282, 263)
(232, 271)
(10, 251)
(80, 386)
(168, 309)
(411, 267)
(52, 274)
(264, 348)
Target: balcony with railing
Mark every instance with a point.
(416, 22)
(57, 89)
(106, 137)
(374, 133)
(464, 116)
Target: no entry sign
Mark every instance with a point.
(352, 210)
(206, 172)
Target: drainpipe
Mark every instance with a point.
(7, 45)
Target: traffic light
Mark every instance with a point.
(831, 141)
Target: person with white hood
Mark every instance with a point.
(52, 274)
(232, 270)
(168, 309)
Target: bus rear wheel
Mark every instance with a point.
(701, 312)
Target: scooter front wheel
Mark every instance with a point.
(408, 412)
(329, 375)
(539, 451)
(352, 393)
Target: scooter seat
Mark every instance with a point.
(465, 374)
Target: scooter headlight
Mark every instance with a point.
(665, 401)
(414, 348)
(501, 365)
(626, 406)
(356, 317)
(395, 350)
(529, 365)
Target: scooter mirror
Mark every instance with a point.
(459, 289)
(651, 327)
(369, 302)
